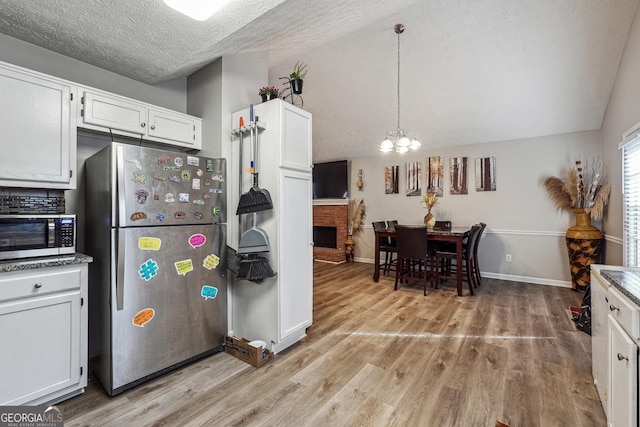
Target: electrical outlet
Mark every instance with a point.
(507, 258)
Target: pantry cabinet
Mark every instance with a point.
(37, 116)
(107, 112)
(43, 330)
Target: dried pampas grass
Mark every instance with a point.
(356, 217)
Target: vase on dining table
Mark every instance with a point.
(429, 220)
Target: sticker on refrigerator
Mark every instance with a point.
(169, 198)
(198, 215)
(193, 161)
(160, 217)
(209, 292)
(199, 172)
(198, 202)
(215, 210)
(142, 195)
(209, 165)
(195, 184)
(164, 160)
(183, 267)
(149, 243)
(186, 176)
(207, 181)
(197, 240)
(158, 177)
(137, 216)
(211, 262)
(174, 178)
(217, 177)
(216, 190)
(178, 162)
(207, 196)
(183, 197)
(136, 163)
(170, 168)
(143, 317)
(139, 177)
(148, 270)
(180, 215)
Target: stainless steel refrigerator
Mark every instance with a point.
(157, 286)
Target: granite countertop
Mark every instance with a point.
(627, 282)
(42, 262)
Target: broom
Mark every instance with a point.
(254, 268)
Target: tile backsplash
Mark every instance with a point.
(17, 201)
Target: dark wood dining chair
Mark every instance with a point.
(445, 267)
(476, 265)
(415, 261)
(385, 248)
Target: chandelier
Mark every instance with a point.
(401, 141)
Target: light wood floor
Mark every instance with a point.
(383, 358)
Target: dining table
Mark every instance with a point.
(455, 235)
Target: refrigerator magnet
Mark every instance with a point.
(186, 176)
(193, 161)
(139, 177)
(143, 317)
(169, 198)
(137, 216)
(142, 195)
(209, 292)
(149, 243)
(195, 184)
(199, 172)
(148, 270)
(197, 240)
(183, 267)
(164, 160)
(158, 177)
(198, 215)
(174, 178)
(178, 162)
(180, 215)
(211, 261)
(183, 197)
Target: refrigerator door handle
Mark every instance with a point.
(120, 270)
(122, 215)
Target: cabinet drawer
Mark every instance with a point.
(625, 312)
(27, 284)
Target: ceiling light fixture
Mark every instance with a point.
(199, 10)
(401, 141)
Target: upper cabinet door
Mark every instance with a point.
(296, 138)
(114, 113)
(37, 130)
(175, 128)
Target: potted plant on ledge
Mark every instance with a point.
(297, 77)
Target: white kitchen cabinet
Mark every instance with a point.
(280, 309)
(600, 337)
(37, 123)
(623, 355)
(43, 330)
(107, 112)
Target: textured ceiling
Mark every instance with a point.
(472, 71)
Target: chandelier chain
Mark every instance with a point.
(399, 32)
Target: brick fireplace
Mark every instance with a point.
(329, 215)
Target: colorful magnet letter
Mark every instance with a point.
(197, 240)
(183, 267)
(139, 177)
(148, 269)
(209, 292)
(149, 243)
(136, 216)
(178, 162)
(142, 196)
(183, 197)
(211, 262)
(193, 161)
(195, 184)
(143, 317)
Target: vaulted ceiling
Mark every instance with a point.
(471, 71)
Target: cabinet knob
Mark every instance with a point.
(37, 285)
(613, 308)
(153, 127)
(621, 357)
(143, 124)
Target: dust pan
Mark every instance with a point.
(254, 239)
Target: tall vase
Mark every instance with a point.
(584, 245)
(350, 246)
(429, 220)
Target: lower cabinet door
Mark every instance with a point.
(623, 388)
(40, 352)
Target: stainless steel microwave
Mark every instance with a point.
(25, 236)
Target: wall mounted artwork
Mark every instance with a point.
(391, 179)
(458, 171)
(486, 174)
(414, 178)
(435, 170)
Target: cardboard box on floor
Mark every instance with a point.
(241, 349)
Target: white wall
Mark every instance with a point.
(520, 218)
(623, 111)
(171, 94)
